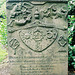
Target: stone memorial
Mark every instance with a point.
(37, 37)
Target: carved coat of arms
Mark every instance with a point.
(38, 37)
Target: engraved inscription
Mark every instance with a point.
(36, 69)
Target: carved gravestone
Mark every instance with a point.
(37, 37)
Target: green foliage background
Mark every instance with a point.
(71, 47)
(3, 24)
(71, 36)
(71, 32)
(3, 31)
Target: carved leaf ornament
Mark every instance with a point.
(20, 13)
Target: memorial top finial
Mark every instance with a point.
(36, 14)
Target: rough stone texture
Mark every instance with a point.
(4, 67)
(37, 38)
(40, 0)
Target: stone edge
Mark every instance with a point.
(37, 0)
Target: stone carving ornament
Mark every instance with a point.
(54, 11)
(37, 34)
(35, 37)
(23, 9)
(14, 44)
(37, 31)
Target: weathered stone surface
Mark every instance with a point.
(37, 38)
(40, 0)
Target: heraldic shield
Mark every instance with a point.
(38, 36)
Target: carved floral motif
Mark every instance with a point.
(54, 11)
(14, 44)
(62, 42)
